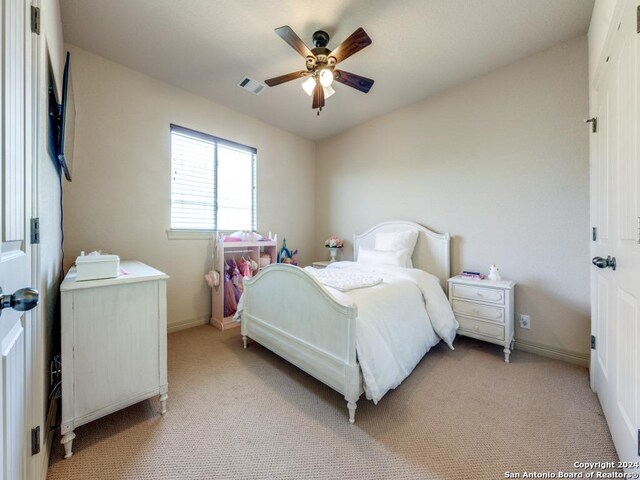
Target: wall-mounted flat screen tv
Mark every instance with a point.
(63, 122)
(68, 122)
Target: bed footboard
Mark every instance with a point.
(289, 312)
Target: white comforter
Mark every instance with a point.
(398, 322)
(344, 279)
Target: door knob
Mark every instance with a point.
(22, 300)
(609, 262)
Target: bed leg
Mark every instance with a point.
(244, 341)
(352, 411)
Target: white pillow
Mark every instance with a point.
(397, 258)
(398, 241)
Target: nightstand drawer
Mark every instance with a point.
(481, 328)
(482, 294)
(495, 314)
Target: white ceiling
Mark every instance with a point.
(419, 47)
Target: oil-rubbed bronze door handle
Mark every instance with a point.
(22, 300)
(609, 262)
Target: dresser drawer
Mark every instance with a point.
(483, 294)
(481, 328)
(495, 314)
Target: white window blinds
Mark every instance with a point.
(213, 183)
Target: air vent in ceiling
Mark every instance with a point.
(251, 85)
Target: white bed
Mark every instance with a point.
(320, 330)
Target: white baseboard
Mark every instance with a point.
(553, 352)
(188, 323)
(48, 437)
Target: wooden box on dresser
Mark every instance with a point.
(222, 251)
(114, 344)
(484, 309)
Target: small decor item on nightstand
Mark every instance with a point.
(468, 274)
(333, 243)
(494, 273)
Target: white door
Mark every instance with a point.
(15, 260)
(616, 203)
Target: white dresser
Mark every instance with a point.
(114, 344)
(484, 309)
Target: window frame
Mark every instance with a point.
(197, 234)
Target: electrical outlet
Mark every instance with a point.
(525, 321)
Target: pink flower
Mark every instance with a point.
(333, 242)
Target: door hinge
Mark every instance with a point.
(35, 440)
(639, 443)
(35, 231)
(594, 123)
(594, 233)
(638, 24)
(35, 20)
(593, 342)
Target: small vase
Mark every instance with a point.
(333, 251)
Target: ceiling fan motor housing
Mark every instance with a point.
(320, 39)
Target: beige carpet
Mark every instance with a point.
(235, 413)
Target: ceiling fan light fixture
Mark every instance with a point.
(308, 85)
(326, 77)
(328, 91)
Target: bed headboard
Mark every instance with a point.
(431, 253)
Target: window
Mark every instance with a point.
(213, 183)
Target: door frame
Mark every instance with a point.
(36, 332)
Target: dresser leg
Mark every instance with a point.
(67, 441)
(244, 341)
(163, 403)
(507, 352)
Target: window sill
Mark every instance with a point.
(190, 234)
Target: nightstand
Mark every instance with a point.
(484, 310)
(320, 264)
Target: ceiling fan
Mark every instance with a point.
(321, 64)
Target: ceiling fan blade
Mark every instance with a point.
(272, 82)
(356, 42)
(289, 36)
(363, 84)
(318, 96)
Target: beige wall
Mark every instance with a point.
(501, 163)
(48, 256)
(51, 28)
(120, 195)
